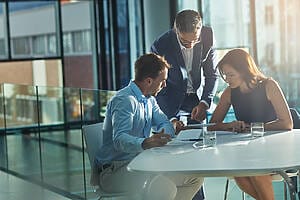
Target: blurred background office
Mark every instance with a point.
(60, 61)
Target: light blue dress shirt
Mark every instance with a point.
(127, 123)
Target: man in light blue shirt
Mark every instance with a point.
(131, 114)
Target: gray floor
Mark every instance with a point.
(13, 188)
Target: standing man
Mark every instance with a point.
(192, 79)
(130, 115)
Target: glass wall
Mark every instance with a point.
(36, 72)
(30, 36)
(123, 54)
(278, 44)
(77, 42)
(93, 47)
(230, 21)
(31, 41)
(187, 4)
(3, 139)
(232, 31)
(21, 110)
(52, 45)
(3, 32)
(34, 141)
(267, 29)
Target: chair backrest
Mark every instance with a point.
(93, 135)
(296, 117)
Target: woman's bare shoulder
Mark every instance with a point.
(226, 95)
(271, 84)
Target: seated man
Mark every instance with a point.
(130, 115)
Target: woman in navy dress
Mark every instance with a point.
(254, 98)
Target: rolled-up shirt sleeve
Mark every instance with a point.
(160, 120)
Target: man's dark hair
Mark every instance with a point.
(188, 21)
(149, 65)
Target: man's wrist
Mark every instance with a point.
(173, 119)
(204, 104)
(145, 144)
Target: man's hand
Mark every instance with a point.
(199, 112)
(156, 140)
(178, 125)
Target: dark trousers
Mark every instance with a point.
(190, 101)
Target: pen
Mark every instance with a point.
(196, 139)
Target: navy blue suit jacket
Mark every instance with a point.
(171, 97)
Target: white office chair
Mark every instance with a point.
(94, 140)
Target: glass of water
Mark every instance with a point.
(257, 129)
(209, 138)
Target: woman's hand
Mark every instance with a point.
(238, 126)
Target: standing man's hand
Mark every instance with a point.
(199, 112)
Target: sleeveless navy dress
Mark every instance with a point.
(253, 106)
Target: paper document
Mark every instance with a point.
(189, 134)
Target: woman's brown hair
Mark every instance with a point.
(244, 64)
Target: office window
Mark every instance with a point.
(3, 33)
(106, 49)
(278, 44)
(51, 44)
(39, 45)
(123, 74)
(21, 47)
(269, 15)
(106, 56)
(2, 48)
(76, 27)
(230, 21)
(67, 43)
(82, 41)
(187, 4)
(31, 19)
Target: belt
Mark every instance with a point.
(103, 167)
(114, 164)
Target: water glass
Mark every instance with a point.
(257, 129)
(209, 138)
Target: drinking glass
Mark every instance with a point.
(257, 129)
(209, 138)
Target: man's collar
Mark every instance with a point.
(137, 91)
(180, 45)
